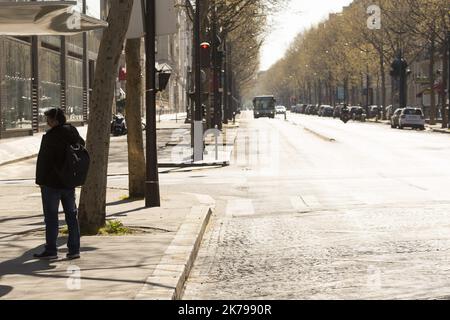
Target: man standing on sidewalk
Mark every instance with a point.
(51, 156)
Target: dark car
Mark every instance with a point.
(357, 113)
(337, 110)
(302, 108)
(315, 110)
(374, 111)
(319, 112)
(326, 111)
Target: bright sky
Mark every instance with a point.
(93, 7)
(298, 16)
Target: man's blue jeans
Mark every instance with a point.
(51, 198)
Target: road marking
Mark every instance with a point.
(311, 200)
(204, 199)
(298, 204)
(240, 207)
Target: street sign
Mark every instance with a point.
(166, 19)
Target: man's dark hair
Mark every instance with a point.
(57, 114)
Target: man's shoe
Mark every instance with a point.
(73, 256)
(45, 256)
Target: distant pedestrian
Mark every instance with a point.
(51, 157)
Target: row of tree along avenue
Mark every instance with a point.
(230, 30)
(350, 58)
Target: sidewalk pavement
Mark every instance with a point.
(434, 128)
(17, 149)
(152, 263)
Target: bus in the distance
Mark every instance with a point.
(264, 106)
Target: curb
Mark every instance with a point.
(441, 130)
(18, 160)
(197, 164)
(169, 277)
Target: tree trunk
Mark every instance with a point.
(432, 78)
(92, 211)
(383, 86)
(444, 83)
(136, 159)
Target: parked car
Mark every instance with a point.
(302, 108)
(389, 111)
(319, 112)
(337, 110)
(357, 113)
(408, 117)
(395, 117)
(315, 110)
(308, 109)
(326, 111)
(374, 111)
(280, 109)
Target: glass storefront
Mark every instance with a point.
(15, 84)
(16, 110)
(74, 108)
(50, 82)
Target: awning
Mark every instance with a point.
(438, 88)
(45, 18)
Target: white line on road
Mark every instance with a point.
(204, 199)
(311, 200)
(240, 207)
(298, 204)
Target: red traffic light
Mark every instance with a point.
(205, 55)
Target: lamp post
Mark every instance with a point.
(448, 78)
(152, 198)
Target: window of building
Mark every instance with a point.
(16, 84)
(74, 108)
(50, 82)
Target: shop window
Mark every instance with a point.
(74, 108)
(50, 82)
(16, 85)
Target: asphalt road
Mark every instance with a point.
(312, 208)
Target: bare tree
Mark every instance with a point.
(136, 158)
(92, 211)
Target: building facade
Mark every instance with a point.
(38, 73)
(175, 50)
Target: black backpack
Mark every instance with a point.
(75, 168)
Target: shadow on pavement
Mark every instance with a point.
(27, 265)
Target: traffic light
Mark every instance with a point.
(163, 79)
(205, 55)
(399, 67)
(395, 68)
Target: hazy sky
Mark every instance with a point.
(93, 8)
(298, 16)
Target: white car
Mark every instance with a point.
(280, 109)
(411, 117)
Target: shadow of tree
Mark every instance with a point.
(27, 265)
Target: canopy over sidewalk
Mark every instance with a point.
(45, 18)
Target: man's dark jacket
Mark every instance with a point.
(52, 154)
